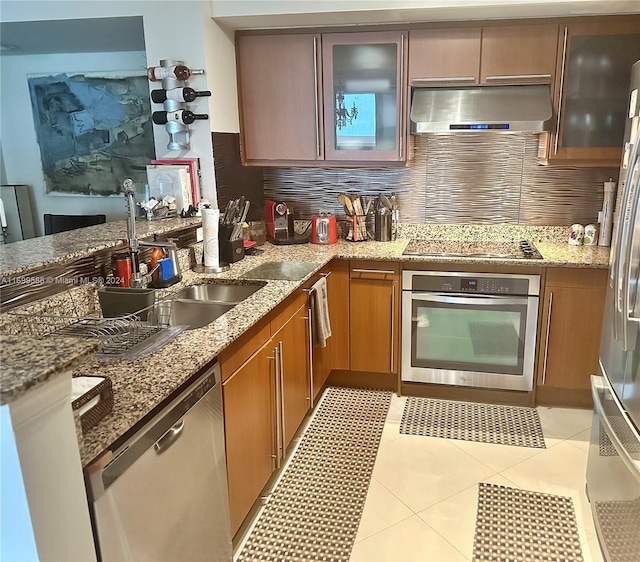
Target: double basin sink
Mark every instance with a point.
(198, 305)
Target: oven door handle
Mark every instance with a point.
(468, 299)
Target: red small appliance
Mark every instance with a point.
(277, 220)
(324, 229)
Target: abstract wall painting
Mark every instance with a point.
(94, 130)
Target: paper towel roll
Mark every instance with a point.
(607, 213)
(210, 223)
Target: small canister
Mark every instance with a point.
(576, 234)
(590, 237)
(121, 263)
(383, 224)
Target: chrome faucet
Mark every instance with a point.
(140, 280)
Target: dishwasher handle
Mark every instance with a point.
(169, 438)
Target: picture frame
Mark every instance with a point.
(194, 174)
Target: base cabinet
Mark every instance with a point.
(336, 353)
(571, 323)
(265, 400)
(295, 383)
(374, 316)
(249, 406)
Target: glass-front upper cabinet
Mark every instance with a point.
(364, 93)
(594, 69)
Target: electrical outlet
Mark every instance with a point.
(324, 211)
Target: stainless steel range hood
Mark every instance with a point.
(488, 108)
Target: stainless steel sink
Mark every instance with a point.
(196, 314)
(198, 305)
(220, 293)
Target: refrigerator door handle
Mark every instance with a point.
(598, 388)
(619, 226)
(631, 300)
(628, 220)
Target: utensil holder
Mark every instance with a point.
(383, 227)
(358, 229)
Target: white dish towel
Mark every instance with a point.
(320, 325)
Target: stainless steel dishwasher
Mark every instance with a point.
(163, 496)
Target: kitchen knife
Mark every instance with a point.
(237, 229)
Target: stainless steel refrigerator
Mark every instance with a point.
(613, 468)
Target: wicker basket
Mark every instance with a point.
(91, 417)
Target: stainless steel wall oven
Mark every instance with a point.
(468, 329)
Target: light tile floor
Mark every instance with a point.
(421, 504)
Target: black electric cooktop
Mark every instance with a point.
(475, 249)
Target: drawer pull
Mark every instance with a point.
(517, 76)
(445, 79)
(384, 271)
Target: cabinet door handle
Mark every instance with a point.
(325, 275)
(401, 136)
(564, 59)
(546, 341)
(517, 76)
(315, 90)
(276, 418)
(309, 319)
(445, 79)
(393, 322)
(281, 405)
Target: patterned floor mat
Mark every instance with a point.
(469, 421)
(518, 525)
(314, 513)
(619, 522)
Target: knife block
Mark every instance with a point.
(231, 251)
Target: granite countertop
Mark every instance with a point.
(25, 255)
(141, 386)
(27, 363)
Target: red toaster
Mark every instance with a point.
(324, 229)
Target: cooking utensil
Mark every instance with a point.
(357, 206)
(386, 202)
(346, 203)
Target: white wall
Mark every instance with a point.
(243, 14)
(22, 162)
(179, 30)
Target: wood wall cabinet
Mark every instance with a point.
(444, 56)
(374, 314)
(336, 353)
(292, 88)
(522, 54)
(364, 71)
(501, 54)
(279, 98)
(591, 92)
(569, 335)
